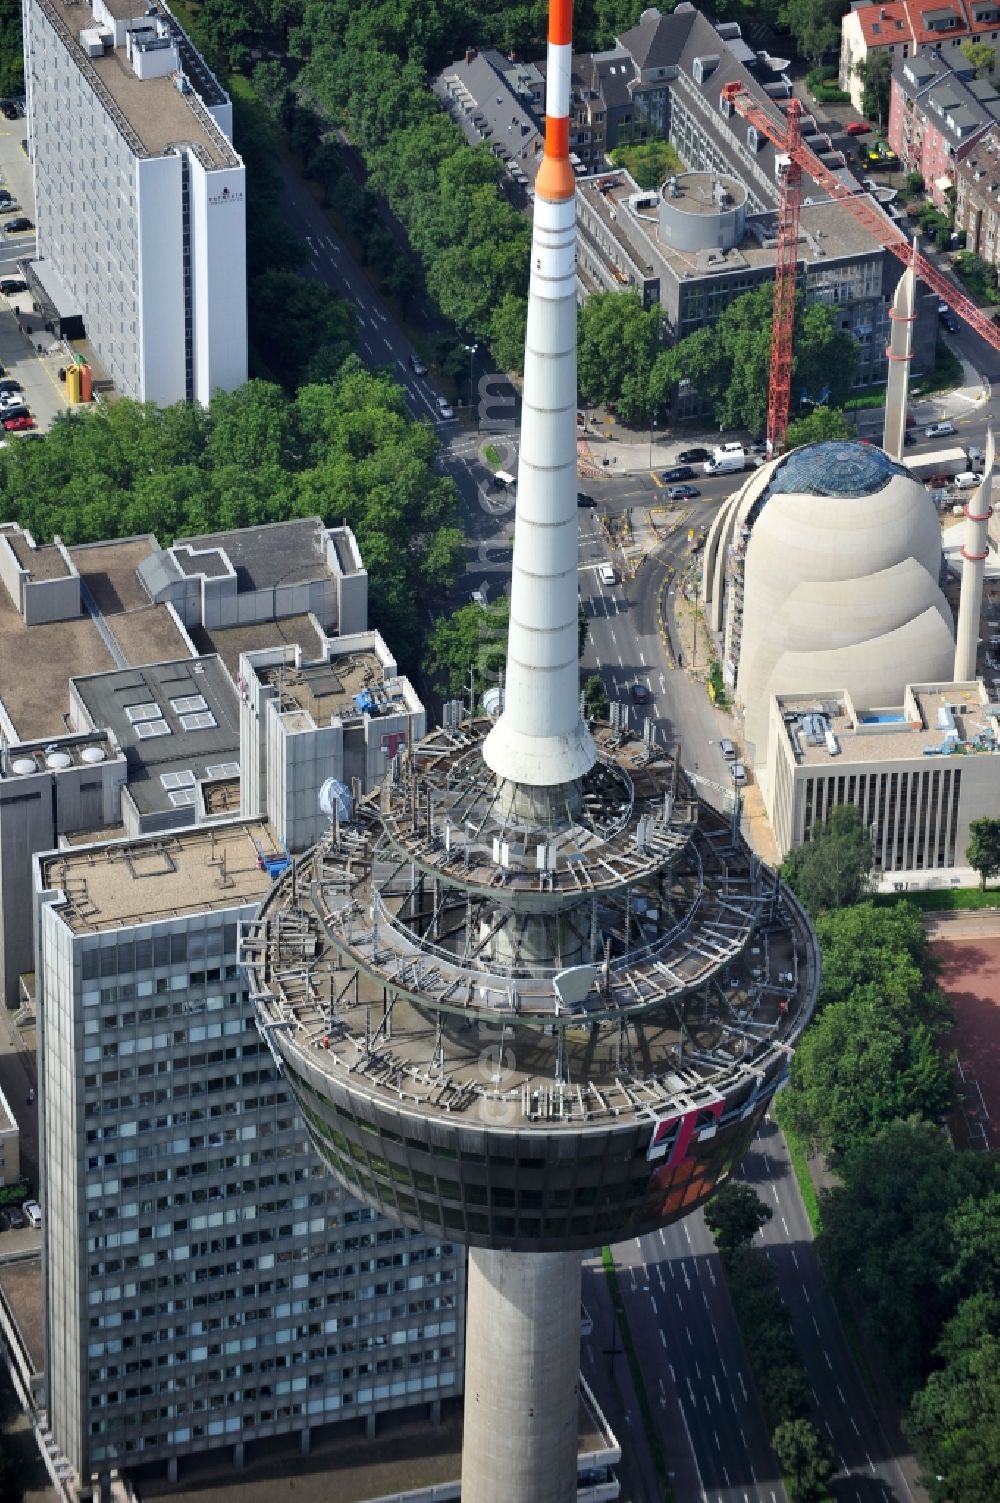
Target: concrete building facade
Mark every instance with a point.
(977, 197)
(139, 194)
(206, 1281)
(919, 771)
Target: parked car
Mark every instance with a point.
(417, 366)
(19, 424)
(857, 128)
(10, 285)
(939, 430)
(606, 574)
(727, 749)
(14, 1218)
(694, 456)
(17, 224)
(444, 408)
(682, 492)
(10, 111)
(10, 384)
(738, 771)
(641, 694)
(966, 480)
(679, 472)
(33, 1211)
(582, 499)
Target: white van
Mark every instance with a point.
(724, 463)
(966, 480)
(606, 574)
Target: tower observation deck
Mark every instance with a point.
(534, 994)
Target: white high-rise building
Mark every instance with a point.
(139, 196)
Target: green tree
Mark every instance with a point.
(954, 1423)
(11, 49)
(728, 362)
(473, 638)
(882, 955)
(804, 1456)
(983, 851)
(889, 1235)
(816, 426)
(832, 869)
(980, 55)
(735, 1215)
(299, 321)
(595, 698)
(618, 343)
(875, 73)
(815, 25)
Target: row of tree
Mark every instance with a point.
(346, 450)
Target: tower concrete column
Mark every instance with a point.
(975, 546)
(900, 352)
(522, 1363)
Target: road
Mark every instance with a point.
(867, 1469)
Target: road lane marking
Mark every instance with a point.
(652, 1300)
(785, 1225)
(687, 1333)
(840, 1393)
(855, 1425)
(663, 1339)
(794, 1258)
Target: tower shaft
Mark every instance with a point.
(899, 351)
(975, 547)
(522, 1360)
(540, 739)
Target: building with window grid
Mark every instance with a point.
(139, 196)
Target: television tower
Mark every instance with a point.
(534, 994)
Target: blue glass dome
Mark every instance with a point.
(837, 467)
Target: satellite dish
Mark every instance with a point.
(335, 800)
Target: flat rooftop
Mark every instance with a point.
(229, 641)
(41, 563)
(891, 733)
(280, 554)
(35, 662)
(145, 633)
(325, 690)
(694, 192)
(175, 722)
(826, 234)
(161, 877)
(157, 112)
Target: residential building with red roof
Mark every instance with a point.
(901, 26)
(938, 111)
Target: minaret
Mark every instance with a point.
(974, 550)
(900, 353)
(540, 741)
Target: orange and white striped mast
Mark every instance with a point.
(540, 741)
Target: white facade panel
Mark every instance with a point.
(218, 279)
(160, 219)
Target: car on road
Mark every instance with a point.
(582, 499)
(9, 384)
(682, 492)
(727, 749)
(606, 574)
(417, 366)
(640, 693)
(444, 408)
(10, 111)
(14, 1218)
(939, 430)
(19, 424)
(33, 1211)
(738, 771)
(10, 285)
(679, 472)
(857, 128)
(966, 481)
(19, 223)
(694, 456)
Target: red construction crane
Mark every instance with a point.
(785, 134)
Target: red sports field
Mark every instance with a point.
(970, 974)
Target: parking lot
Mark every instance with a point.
(29, 354)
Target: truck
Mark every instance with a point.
(944, 462)
(726, 460)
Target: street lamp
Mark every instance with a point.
(472, 348)
(652, 430)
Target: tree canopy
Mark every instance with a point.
(346, 450)
(983, 850)
(728, 361)
(875, 73)
(816, 426)
(832, 869)
(619, 348)
(735, 1215)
